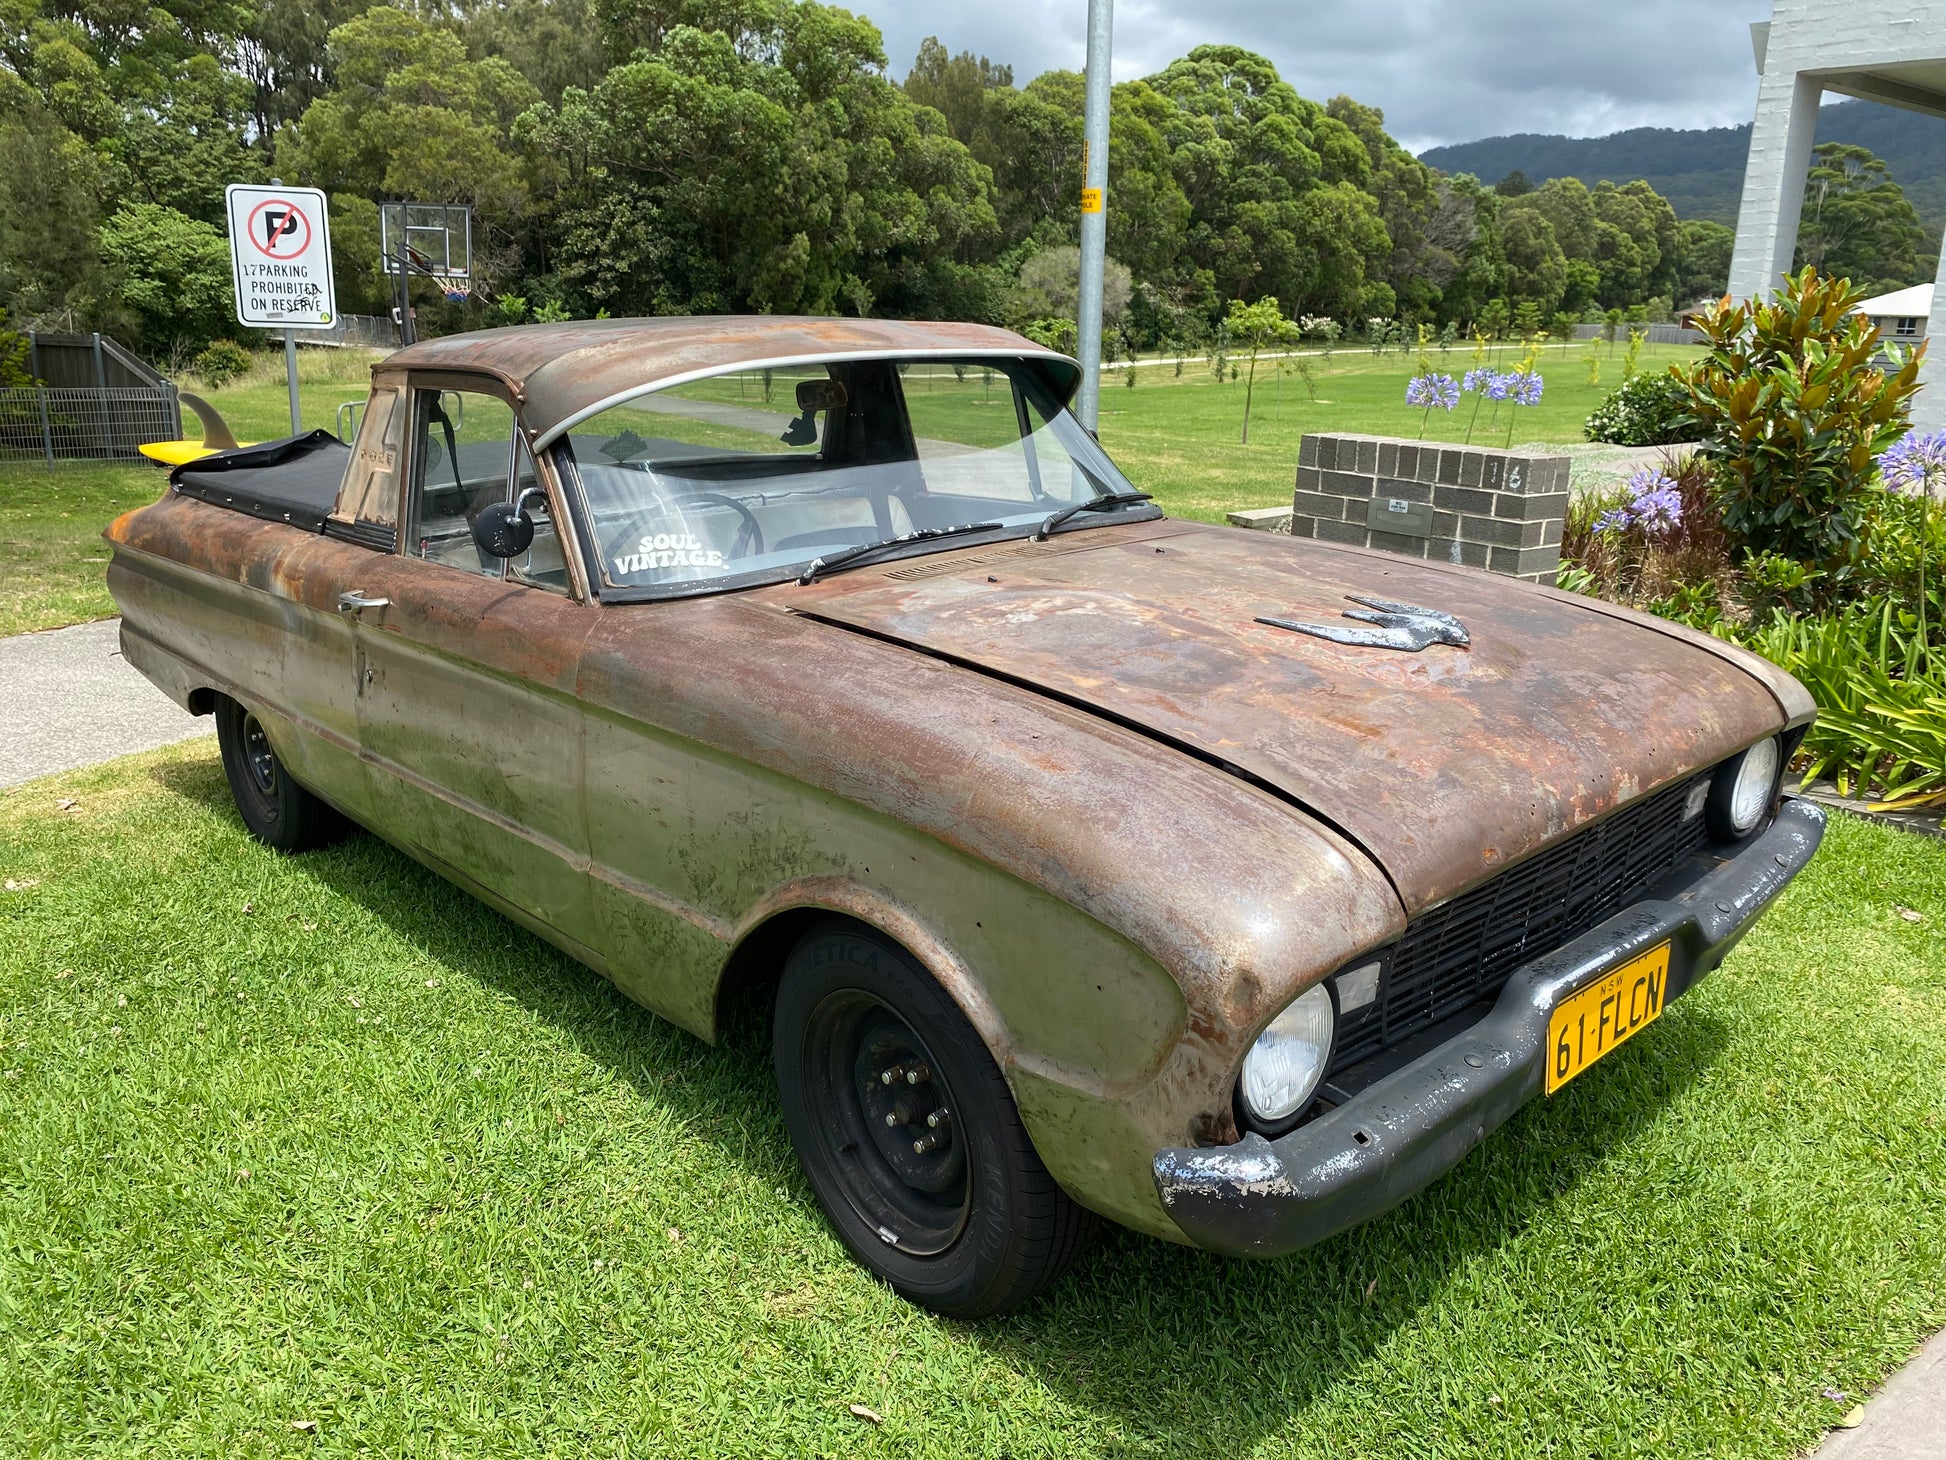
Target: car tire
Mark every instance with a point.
(866, 1047)
(278, 812)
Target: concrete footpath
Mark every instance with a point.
(68, 699)
(1906, 1420)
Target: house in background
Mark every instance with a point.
(1901, 315)
(1891, 51)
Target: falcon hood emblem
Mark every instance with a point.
(1401, 626)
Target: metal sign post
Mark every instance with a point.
(1094, 216)
(280, 261)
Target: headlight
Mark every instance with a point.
(1742, 790)
(1284, 1066)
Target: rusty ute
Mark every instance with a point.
(1092, 862)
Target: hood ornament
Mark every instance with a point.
(1401, 626)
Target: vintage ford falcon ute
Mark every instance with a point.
(1086, 862)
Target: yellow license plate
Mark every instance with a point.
(1607, 1013)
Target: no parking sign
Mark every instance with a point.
(280, 254)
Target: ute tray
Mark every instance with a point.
(294, 480)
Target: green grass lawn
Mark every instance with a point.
(1176, 436)
(1180, 436)
(52, 558)
(324, 1140)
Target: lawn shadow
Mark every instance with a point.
(1211, 1354)
(1178, 1349)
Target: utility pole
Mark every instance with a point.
(1094, 202)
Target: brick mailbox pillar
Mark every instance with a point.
(1452, 504)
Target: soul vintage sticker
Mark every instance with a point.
(668, 550)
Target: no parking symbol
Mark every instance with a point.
(280, 252)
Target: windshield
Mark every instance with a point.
(754, 474)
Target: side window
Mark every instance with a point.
(544, 564)
(462, 461)
(370, 494)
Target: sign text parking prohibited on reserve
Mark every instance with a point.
(280, 257)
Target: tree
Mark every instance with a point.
(1537, 271)
(411, 117)
(1858, 223)
(50, 181)
(843, 193)
(1255, 326)
(15, 353)
(956, 87)
(1567, 205)
(1704, 268)
(1049, 287)
(554, 44)
(1514, 185)
(174, 274)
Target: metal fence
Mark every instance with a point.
(367, 331)
(1659, 334)
(85, 425)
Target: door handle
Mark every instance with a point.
(353, 601)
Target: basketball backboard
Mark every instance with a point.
(438, 236)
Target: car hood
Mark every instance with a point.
(1445, 765)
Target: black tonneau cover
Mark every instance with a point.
(294, 480)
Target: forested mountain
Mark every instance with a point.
(1701, 172)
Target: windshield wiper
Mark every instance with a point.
(866, 549)
(1106, 502)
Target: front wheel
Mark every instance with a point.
(908, 1133)
(279, 813)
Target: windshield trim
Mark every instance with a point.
(784, 362)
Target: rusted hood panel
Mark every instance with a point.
(1445, 765)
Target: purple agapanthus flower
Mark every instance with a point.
(1428, 391)
(1658, 513)
(1916, 464)
(1500, 387)
(1615, 520)
(1528, 387)
(1476, 380)
(1654, 507)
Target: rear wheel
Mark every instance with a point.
(279, 813)
(908, 1133)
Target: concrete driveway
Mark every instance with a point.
(68, 699)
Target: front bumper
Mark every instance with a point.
(1262, 1198)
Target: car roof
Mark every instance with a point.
(563, 373)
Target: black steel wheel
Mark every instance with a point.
(279, 813)
(908, 1133)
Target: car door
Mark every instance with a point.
(467, 718)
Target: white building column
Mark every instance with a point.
(1781, 139)
(1929, 406)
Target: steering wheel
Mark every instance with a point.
(749, 540)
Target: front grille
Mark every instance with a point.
(1463, 951)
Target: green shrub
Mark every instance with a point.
(14, 355)
(1881, 725)
(221, 362)
(1795, 415)
(1054, 334)
(1648, 410)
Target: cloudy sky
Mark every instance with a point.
(1442, 72)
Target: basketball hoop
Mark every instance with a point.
(456, 290)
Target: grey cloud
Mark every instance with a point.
(1442, 72)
